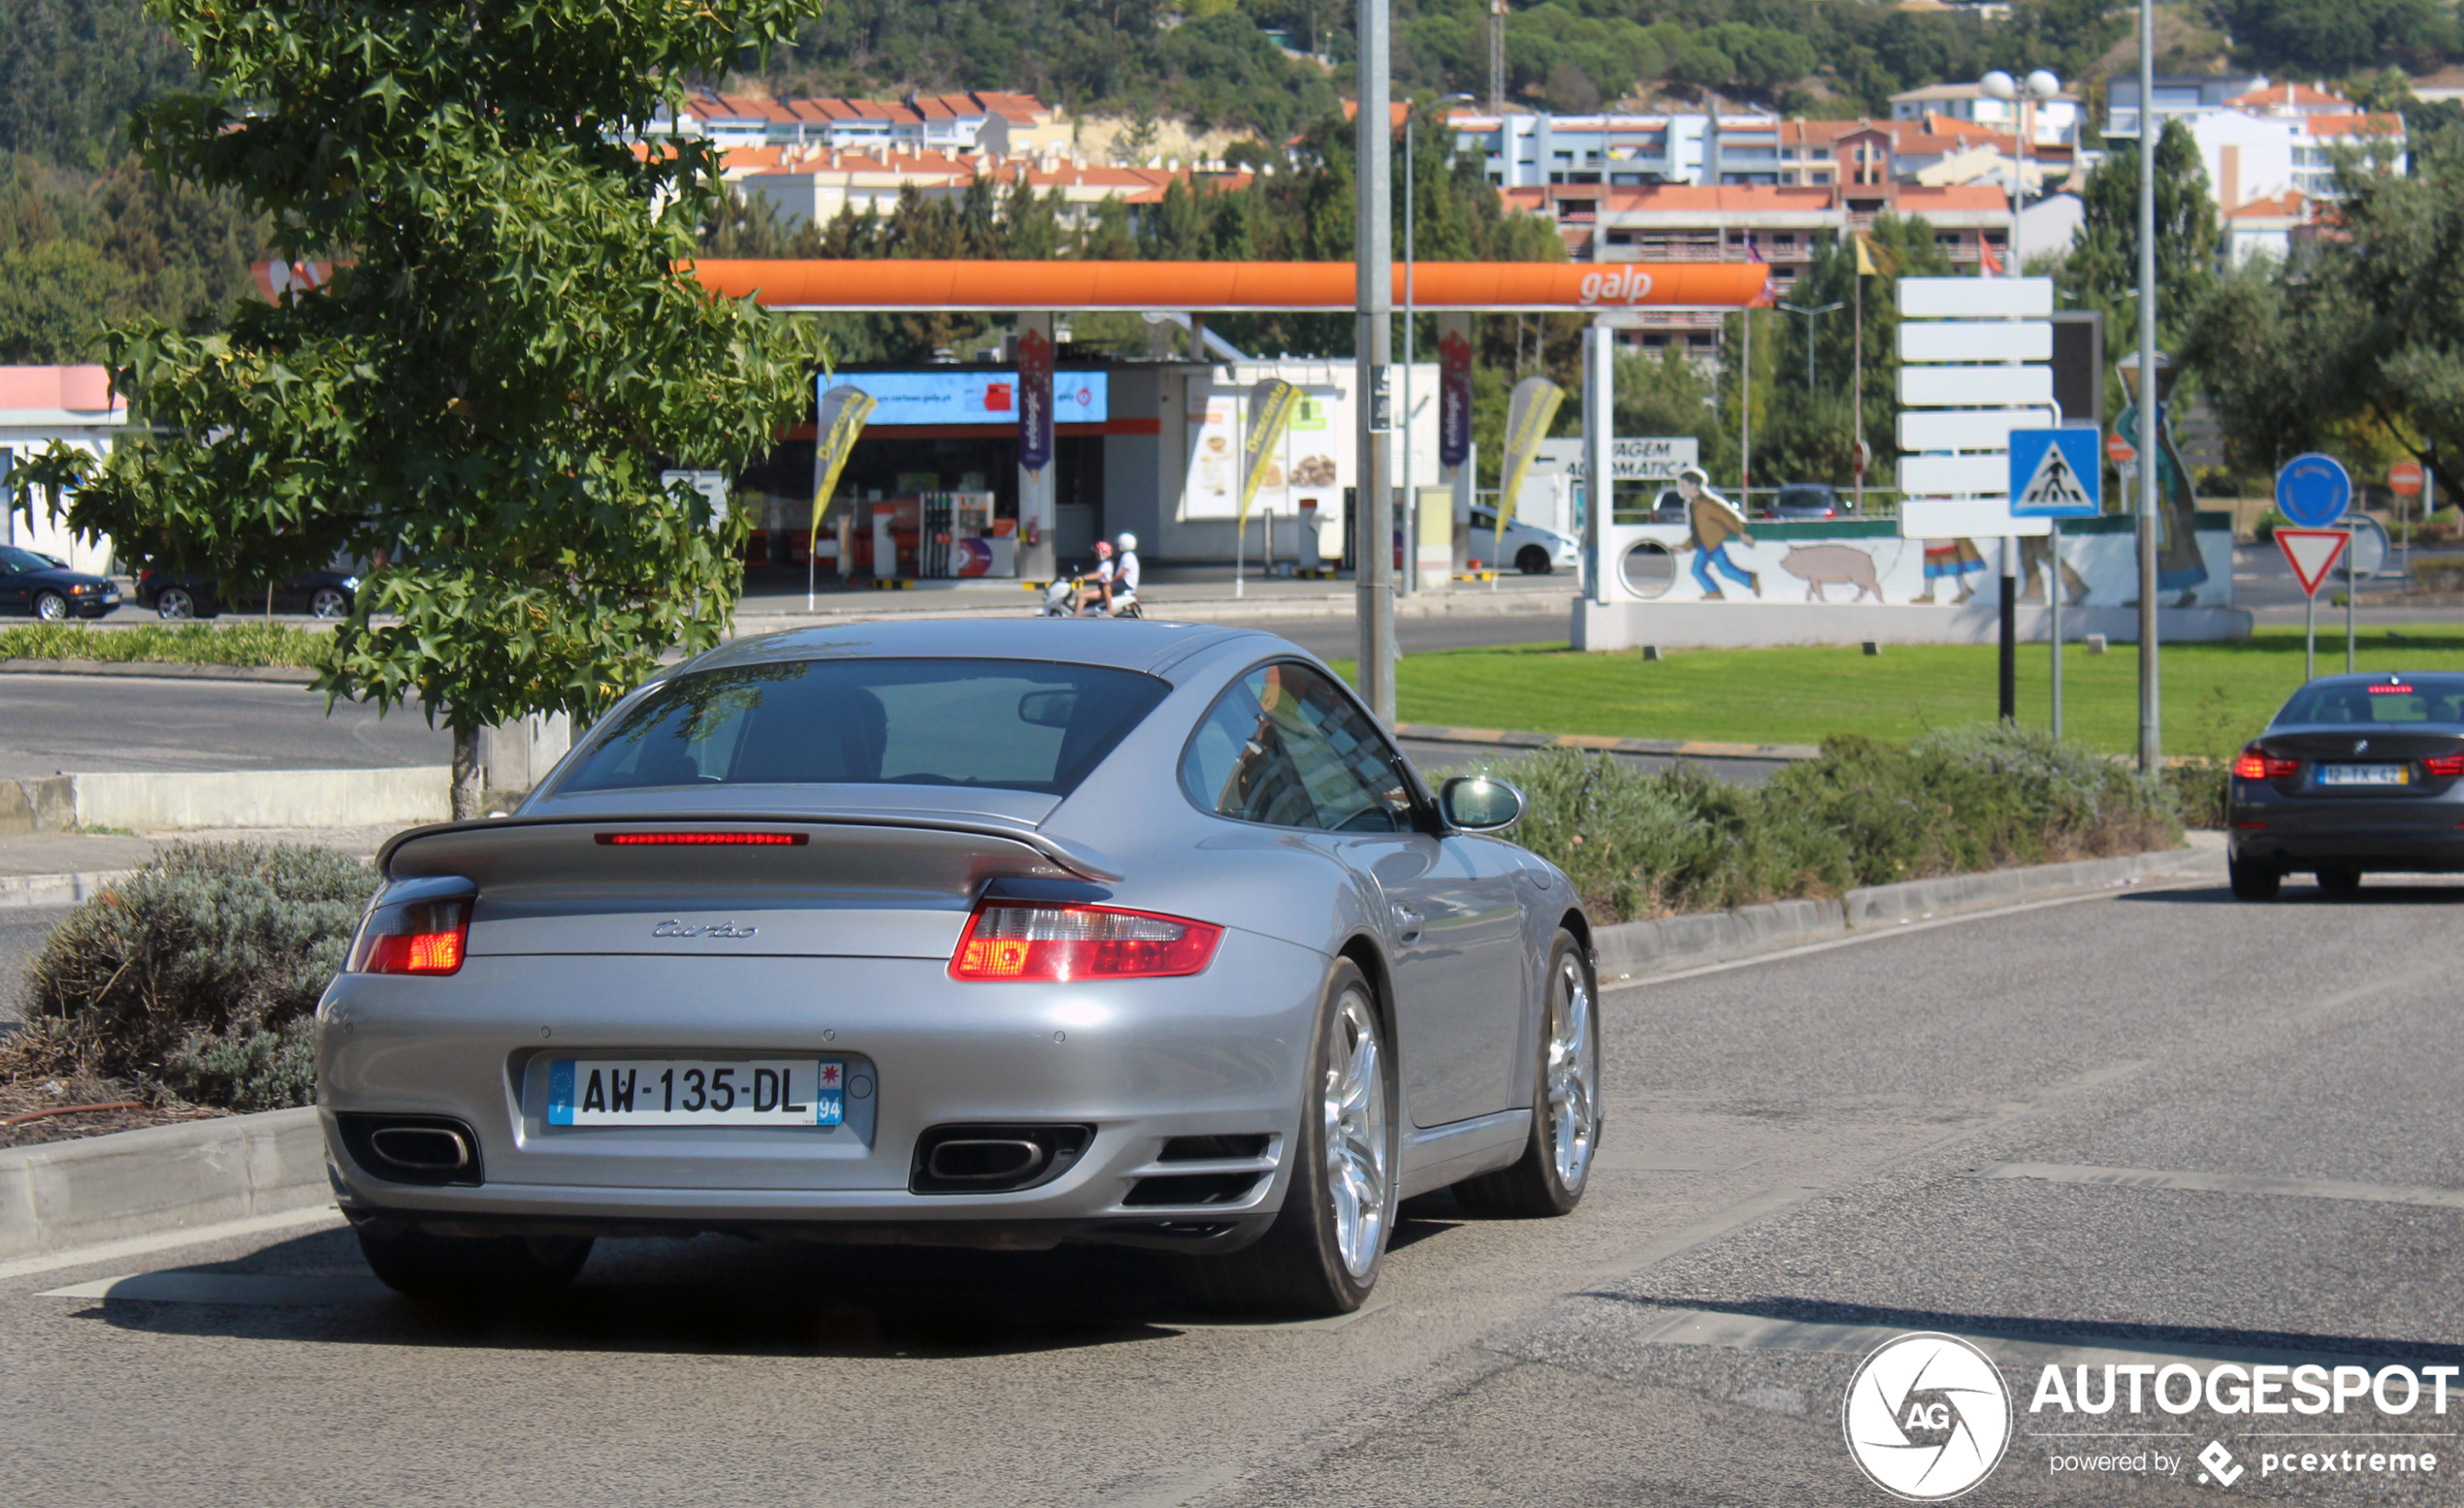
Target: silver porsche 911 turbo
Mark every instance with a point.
(996, 935)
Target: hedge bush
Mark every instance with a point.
(196, 977)
(1865, 812)
(180, 643)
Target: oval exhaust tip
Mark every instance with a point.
(428, 1148)
(987, 1160)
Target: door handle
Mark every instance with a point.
(1408, 924)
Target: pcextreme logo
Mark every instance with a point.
(1927, 1416)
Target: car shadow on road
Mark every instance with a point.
(2291, 1344)
(714, 1295)
(2411, 890)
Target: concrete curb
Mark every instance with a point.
(1676, 748)
(1637, 949)
(157, 670)
(17, 891)
(157, 801)
(67, 1194)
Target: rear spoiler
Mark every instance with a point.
(1076, 859)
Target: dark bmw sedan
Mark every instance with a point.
(323, 593)
(2359, 773)
(36, 584)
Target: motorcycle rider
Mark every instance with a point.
(1123, 580)
(1097, 586)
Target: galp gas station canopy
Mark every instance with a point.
(1507, 287)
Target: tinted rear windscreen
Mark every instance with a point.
(1016, 724)
(2351, 703)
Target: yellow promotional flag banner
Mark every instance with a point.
(841, 420)
(1529, 413)
(1271, 404)
(1864, 257)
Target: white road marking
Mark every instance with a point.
(2229, 1183)
(171, 1241)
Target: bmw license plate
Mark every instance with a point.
(697, 1092)
(2365, 774)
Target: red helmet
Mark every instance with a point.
(1103, 548)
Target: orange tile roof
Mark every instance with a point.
(2357, 124)
(2284, 205)
(2278, 95)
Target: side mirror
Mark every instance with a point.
(1048, 709)
(1480, 803)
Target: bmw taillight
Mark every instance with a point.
(2443, 766)
(2256, 763)
(1011, 940)
(413, 937)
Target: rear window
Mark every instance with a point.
(2353, 703)
(1016, 724)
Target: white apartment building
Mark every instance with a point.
(2053, 122)
(1538, 151)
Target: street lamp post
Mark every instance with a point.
(1809, 336)
(1373, 519)
(1410, 492)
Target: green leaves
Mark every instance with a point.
(480, 402)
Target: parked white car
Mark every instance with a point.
(1527, 547)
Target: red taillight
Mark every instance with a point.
(2256, 763)
(1010, 940)
(414, 937)
(2445, 766)
(703, 839)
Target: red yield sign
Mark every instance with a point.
(2311, 553)
(2120, 452)
(2404, 478)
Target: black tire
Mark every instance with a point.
(2253, 881)
(1298, 1268)
(411, 1261)
(329, 602)
(2340, 879)
(176, 602)
(52, 607)
(1532, 561)
(1556, 1163)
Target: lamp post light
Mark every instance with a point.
(1410, 493)
(2027, 93)
(1809, 314)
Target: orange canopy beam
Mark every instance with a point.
(1551, 287)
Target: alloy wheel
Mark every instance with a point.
(1358, 1179)
(1573, 1102)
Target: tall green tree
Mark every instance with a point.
(2103, 266)
(483, 399)
(2358, 339)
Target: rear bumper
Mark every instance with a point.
(2419, 834)
(1221, 1054)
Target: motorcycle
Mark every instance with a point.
(1061, 597)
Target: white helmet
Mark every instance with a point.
(1126, 541)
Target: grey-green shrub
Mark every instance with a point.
(1865, 812)
(197, 972)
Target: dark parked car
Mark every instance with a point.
(1807, 501)
(2357, 773)
(38, 584)
(1669, 507)
(325, 593)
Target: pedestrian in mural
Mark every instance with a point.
(2035, 558)
(1952, 559)
(2180, 567)
(1715, 522)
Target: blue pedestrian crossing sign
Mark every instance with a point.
(2055, 473)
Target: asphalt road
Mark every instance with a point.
(50, 725)
(1803, 1157)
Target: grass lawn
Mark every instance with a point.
(2213, 696)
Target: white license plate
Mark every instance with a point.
(2365, 774)
(697, 1092)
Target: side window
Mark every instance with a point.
(1285, 747)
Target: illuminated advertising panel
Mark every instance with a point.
(978, 398)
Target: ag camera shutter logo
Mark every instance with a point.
(1927, 1416)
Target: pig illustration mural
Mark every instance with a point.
(1832, 565)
